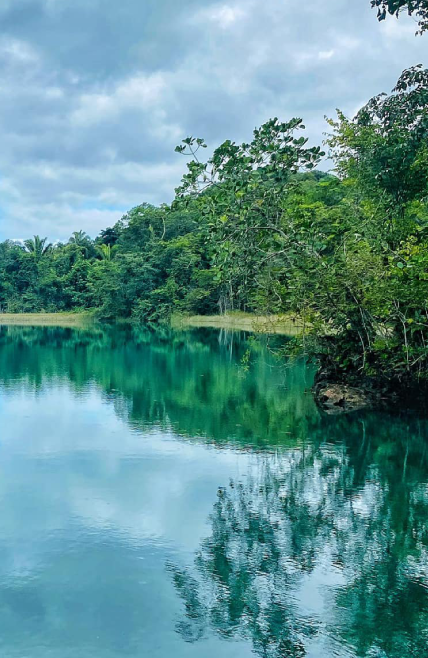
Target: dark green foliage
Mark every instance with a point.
(348, 254)
(418, 8)
(381, 260)
(153, 262)
(109, 236)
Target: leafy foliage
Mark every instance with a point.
(381, 157)
(419, 8)
(153, 262)
(347, 253)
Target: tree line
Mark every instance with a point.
(152, 261)
(257, 227)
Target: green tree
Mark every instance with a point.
(240, 190)
(83, 242)
(37, 246)
(110, 236)
(381, 156)
(105, 251)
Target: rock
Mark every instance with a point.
(341, 398)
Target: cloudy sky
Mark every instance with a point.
(95, 94)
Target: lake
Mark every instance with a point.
(178, 494)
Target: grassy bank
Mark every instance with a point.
(45, 319)
(286, 325)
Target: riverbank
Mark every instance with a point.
(45, 319)
(286, 325)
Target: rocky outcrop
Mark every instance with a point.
(341, 398)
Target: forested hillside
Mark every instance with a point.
(258, 228)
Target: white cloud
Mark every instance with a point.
(326, 54)
(17, 51)
(401, 29)
(224, 15)
(112, 190)
(139, 91)
(54, 93)
(94, 97)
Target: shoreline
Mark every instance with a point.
(285, 325)
(45, 319)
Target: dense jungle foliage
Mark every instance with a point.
(257, 228)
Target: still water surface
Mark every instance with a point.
(179, 495)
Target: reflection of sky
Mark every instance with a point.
(90, 514)
(92, 511)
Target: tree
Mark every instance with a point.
(79, 237)
(240, 190)
(83, 242)
(382, 157)
(110, 236)
(419, 8)
(105, 251)
(384, 148)
(37, 246)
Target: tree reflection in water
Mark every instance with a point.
(344, 496)
(307, 510)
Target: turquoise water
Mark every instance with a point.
(179, 494)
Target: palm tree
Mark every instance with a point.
(104, 251)
(37, 246)
(80, 238)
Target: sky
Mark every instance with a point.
(95, 94)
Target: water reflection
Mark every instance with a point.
(159, 497)
(183, 380)
(321, 551)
